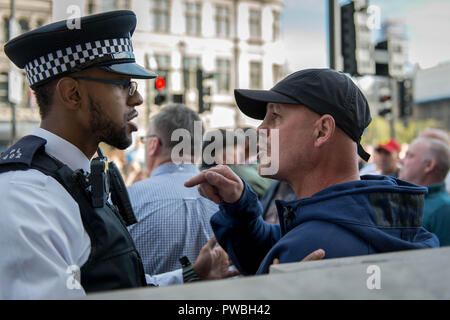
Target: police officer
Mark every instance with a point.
(55, 242)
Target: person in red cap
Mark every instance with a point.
(387, 157)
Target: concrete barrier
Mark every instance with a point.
(416, 274)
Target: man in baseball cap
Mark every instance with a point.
(315, 118)
(322, 91)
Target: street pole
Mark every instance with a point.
(335, 59)
(394, 97)
(12, 25)
(148, 95)
(236, 56)
(183, 69)
(331, 33)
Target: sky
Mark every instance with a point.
(304, 29)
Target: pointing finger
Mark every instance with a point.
(211, 243)
(200, 178)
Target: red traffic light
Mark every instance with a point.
(160, 83)
(385, 98)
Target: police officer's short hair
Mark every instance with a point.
(44, 97)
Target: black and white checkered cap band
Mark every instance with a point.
(52, 64)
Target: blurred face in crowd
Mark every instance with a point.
(414, 164)
(386, 162)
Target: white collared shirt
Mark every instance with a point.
(42, 238)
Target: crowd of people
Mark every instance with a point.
(64, 233)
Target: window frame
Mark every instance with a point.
(156, 12)
(223, 75)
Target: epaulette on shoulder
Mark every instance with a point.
(23, 151)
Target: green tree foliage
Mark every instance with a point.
(379, 130)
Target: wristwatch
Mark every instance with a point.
(189, 274)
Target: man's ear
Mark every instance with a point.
(68, 92)
(430, 164)
(153, 146)
(324, 129)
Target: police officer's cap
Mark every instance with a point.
(103, 40)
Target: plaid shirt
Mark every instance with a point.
(173, 221)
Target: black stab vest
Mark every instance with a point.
(114, 262)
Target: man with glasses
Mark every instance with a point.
(172, 220)
(60, 236)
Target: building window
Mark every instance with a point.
(39, 23)
(5, 29)
(122, 4)
(277, 73)
(163, 67)
(3, 87)
(222, 22)
(193, 18)
(276, 26)
(90, 7)
(107, 5)
(255, 24)
(160, 10)
(255, 75)
(24, 26)
(223, 75)
(190, 66)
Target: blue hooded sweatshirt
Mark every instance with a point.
(372, 215)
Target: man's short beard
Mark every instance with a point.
(103, 127)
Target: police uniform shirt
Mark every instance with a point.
(42, 238)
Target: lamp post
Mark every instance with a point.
(14, 77)
(183, 70)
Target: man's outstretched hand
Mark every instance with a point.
(218, 184)
(213, 262)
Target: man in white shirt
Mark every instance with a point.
(55, 240)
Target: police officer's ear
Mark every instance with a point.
(323, 130)
(68, 92)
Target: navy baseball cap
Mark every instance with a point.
(103, 40)
(324, 91)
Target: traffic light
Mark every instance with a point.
(203, 91)
(160, 83)
(161, 95)
(348, 38)
(382, 67)
(405, 94)
(385, 99)
(160, 99)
